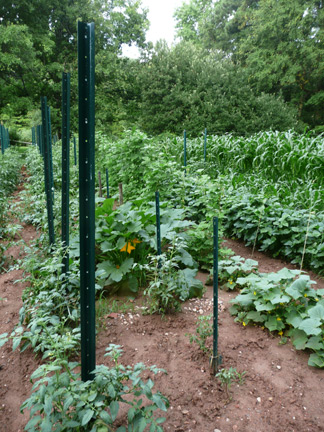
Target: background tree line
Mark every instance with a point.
(239, 66)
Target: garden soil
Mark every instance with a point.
(280, 393)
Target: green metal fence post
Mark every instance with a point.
(65, 167)
(2, 139)
(107, 182)
(75, 151)
(50, 149)
(185, 150)
(47, 174)
(86, 71)
(205, 144)
(216, 359)
(158, 225)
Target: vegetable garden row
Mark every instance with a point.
(126, 261)
(267, 190)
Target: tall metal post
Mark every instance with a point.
(205, 144)
(65, 167)
(216, 359)
(50, 150)
(158, 224)
(185, 150)
(75, 151)
(107, 182)
(48, 191)
(2, 139)
(86, 72)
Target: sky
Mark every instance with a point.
(162, 24)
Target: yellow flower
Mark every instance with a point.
(305, 295)
(135, 240)
(254, 293)
(316, 299)
(278, 319)
(230, 281)
(244, 324)
(280, 333)
(127, 247)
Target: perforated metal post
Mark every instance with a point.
(50, 150)
(107, 182)
(75, 151)
(86, 71)
(2, 139)
(216, 359)
(185, 151)
(47, 174)
(65, 167)
(158, 225)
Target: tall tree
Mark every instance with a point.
(281, 45)
(39, 40)
(185, 87)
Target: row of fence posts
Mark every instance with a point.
(4, 138)
(41, 136)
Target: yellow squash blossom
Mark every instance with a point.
(130, 245)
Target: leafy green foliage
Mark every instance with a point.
(173, 279)
(276, 43)
(286, 304)
(62, 401)
(203, 331)
(227, 377)
(186, 87)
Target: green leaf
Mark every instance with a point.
(106, 417)
(68, 402)
(316, 312)
(299, 338)
(297, 288)
(316, 359)
(3, 339)
(87, 417)
(315, 343)
(131, 414)
(311, 326)
(256, 316)
(114, 408)
(48, 405)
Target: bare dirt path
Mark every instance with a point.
(15, 367)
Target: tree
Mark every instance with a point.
(185, 87)
(39, 41)
(280, 44)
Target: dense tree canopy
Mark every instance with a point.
(186, 88)
(279, 43)
(38, 40)
(240, 65)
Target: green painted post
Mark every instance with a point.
(158, 224)
(47, 173)
(216, 359)
(41, 140)
(33, 135)
(65, 167)
(86, 72)
(50, 149)
(2, 139)
(185, 150)
(75, 151)
(205, 144)
(8, 138)
(107, 182)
